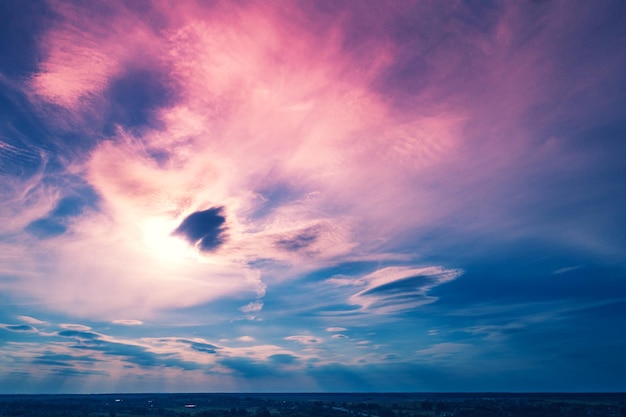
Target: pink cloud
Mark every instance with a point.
(77, 327)
(336, 329)
(86, 49)
(263, 100)
(127, 322)
(246, 339)
(263, 104)
(252, 307)
(31, 320)
(270, 98)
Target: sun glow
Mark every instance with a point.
(158, 238)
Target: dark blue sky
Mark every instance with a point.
(321, 196)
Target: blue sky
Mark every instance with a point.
(327, 196)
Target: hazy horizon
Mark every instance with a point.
(324, 196)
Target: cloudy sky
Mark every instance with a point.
(312, 196)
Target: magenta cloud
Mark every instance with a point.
(263, 101)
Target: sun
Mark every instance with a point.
(165, 247)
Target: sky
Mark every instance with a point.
(319, 196)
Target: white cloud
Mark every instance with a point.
(336, 329)
(305, 340)
(31, 320)
(252, 307)
(77, 327)
(246, 339)
(126, 322)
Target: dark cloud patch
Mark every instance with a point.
(300, 241)
(19, 328)
(79, 334)
(64, 359)
(283, 359)
(204, 229)
(135, 354)
(248, 368)
(160, 156)
(203, 347)
(72, 372)
(51, 362)
(67, 365)
(199, 346)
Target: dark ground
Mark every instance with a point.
(317, 405)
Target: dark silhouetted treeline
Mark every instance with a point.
(315, 405)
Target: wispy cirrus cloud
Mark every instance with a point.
(82, 55)
(159, 185)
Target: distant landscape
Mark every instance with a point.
(318, 405)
